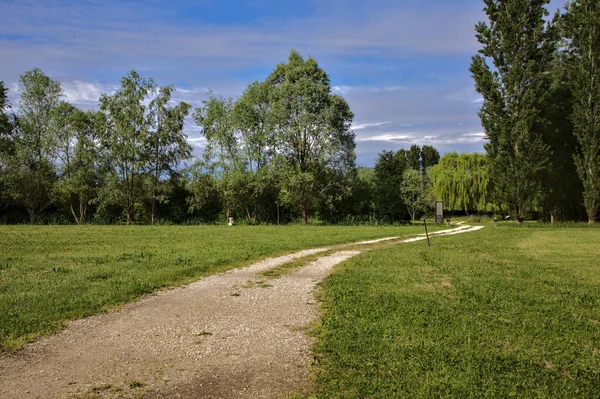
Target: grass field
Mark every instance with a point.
(49, 274)
(502, 312)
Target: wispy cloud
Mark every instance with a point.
(403, 137)
(359, 126)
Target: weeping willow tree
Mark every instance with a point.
(462, 182)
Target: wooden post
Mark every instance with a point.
(426, 232)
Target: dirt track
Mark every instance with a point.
(225, 336)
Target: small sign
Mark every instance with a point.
(439, 212)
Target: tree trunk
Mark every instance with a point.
(31, 215)
(82, 211)
(74, 214)
(129, 213)
(304, 217)
(153, 210)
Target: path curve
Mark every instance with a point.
(232, 335)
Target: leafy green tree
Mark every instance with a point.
(67, 122)
(125, 144)
(203, 199)
(429, 157)
(520, 47)
(30, 174)
(222, 154)
(166, 143)
(462, 182)
(4, 107)
(561, 188)
(388, 172)
(6, 145)
(5, 125)
(413, 156)
(582, 29)
(360, 204)
(414, 192)
(313, 131)
(77, 134)
(40, 95)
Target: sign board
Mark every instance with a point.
(439, 212)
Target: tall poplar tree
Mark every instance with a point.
(582, 29)
(520, 46)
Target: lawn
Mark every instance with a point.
(50, 274)
(502, 312)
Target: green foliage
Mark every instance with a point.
(50, 274)
(413, 157)
(289, 133)
(462, 182)
(29, 174)
(561, 189)
(414, 191)
(504, 312)
(388, 176)
(429, 157)
(520, 47)
(40, 95)
(125, 141)
(582, 29)
(4, 106)
(166, 143)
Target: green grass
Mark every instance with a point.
(50, 274)
(502, 312)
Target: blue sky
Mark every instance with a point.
(402, 65)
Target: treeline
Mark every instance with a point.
(283, 151)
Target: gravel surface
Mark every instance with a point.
(225, 336)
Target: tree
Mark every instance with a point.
(462, 182)
(582, 29)
(125, 144)
(252, 115)
(5, 125)
(388, 172)
(67, 122)
(561, 188)
(429, 157)
(166, 143)
(313, 130)
(4, 106)
(520, 46)
(414, 192)
(222, 152)
(413, 156)
(6, 144)
(40, 95)
(77, 134)
(30, 172)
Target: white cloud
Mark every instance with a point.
(359, 126)
(77, 91)
(387, 137)
(454, 139)
(198, 142)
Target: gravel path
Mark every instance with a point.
(232, 335)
